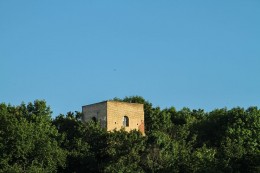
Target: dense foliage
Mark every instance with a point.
(176, 141)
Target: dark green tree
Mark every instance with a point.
(28, 140)
(125, 152)
(73, 131)
(239, 149)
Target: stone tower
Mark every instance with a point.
(116, 115)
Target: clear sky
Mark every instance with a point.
(196, 54)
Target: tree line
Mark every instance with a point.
(178, 141)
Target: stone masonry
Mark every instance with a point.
(116, 115)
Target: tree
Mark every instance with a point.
(124, 151)
(28, 139)
(79, 157)
(160, 156)
(176, 141)
(240, 147)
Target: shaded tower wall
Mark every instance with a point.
(96, 111)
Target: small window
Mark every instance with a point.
(126, 121)
(94, 119)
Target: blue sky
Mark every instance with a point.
(196, 54)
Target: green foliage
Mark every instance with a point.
(176, 141)
(124, 151)
(28, 140)
(72, 130)
(240, 147)
(160, 152)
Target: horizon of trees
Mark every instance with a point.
(222, 140)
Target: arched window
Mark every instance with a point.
(126, 121)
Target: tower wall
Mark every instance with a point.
(111, 115)
(97, 110)
(116, 112)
